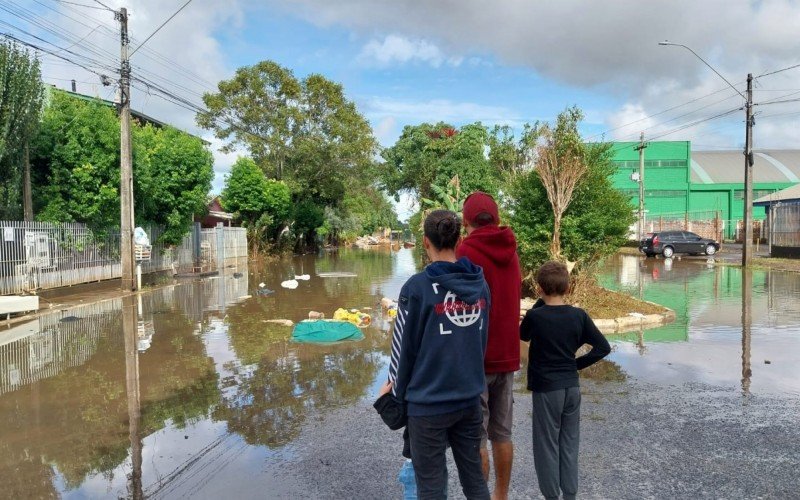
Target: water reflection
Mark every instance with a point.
(726, 321)
(184, 389)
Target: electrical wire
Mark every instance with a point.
(81, 5)
(162, 25)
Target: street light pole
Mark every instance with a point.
(747, 246)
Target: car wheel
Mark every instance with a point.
(711, 250)
(668, 252)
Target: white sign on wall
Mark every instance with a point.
(8, 234)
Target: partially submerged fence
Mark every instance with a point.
(41, 255)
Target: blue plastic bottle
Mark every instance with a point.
(408, 481)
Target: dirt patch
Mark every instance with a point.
(778, 264)
(600, 302)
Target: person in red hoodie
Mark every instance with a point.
(494, 248)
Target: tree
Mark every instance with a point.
(76, 155)
(263, 204)
(560, 165)
(432, 154)
(303, 132)
(172, 174)
(594, 225)
(21, 96)
(257, 109)
(76, 160)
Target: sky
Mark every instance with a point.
(406, 62)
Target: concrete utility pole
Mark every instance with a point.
(747, 246)
(641, 147)
(125, 167)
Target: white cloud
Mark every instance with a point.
(609, 48)
(184, 57)
(395, 48)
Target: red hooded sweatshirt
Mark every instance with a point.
(494, 248)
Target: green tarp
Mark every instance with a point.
(325, 331)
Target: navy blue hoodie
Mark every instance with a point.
(440, 338)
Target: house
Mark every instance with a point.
(216, 214)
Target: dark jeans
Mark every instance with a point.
(429, 438)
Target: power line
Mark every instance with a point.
(159, 28)
(34, 46)
(779, 70)
(104, 5)
(81, 5)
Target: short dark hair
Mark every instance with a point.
(553, 278)
(442, 228)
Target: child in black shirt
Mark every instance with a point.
(555, 331)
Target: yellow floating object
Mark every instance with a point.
(358, 318)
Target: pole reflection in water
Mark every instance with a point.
(130, 315)
(747, 322)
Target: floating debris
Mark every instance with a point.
(69, 319)
(243, 297)
(290, 284)
(325, 331)
(264, 291)
(316, 315)
(358, 318)
(282, 322)
(767, 362)
(304, 277)
(237, 275)
(337, 274)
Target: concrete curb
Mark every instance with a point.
(623, 323)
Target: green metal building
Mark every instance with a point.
(681, 183)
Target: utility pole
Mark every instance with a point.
(641, 147)
(125, 167)
(747, 246)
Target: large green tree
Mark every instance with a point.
(172, 176)
(428, 155)
(76, 169)
(21, 94)
(305, 132)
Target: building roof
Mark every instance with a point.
(719, 167)
(790, 194)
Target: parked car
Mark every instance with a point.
(668, 243)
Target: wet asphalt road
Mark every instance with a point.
(637, 441)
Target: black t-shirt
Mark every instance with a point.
(555, 333)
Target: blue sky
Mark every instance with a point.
(508, 61)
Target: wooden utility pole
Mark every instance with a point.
(747, 245)
(125, 168)
(641, 147)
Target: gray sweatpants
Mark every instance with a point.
(556, 435)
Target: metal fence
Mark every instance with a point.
(785, 226)
(41, 255)
(708, 224)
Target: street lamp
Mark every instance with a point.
(747, 247)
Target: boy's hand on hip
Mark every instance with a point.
(385, 388)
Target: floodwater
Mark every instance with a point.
(188, 391)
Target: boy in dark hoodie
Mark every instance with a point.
(494, 248)
(436, 371)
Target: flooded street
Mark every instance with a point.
(189, 391)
